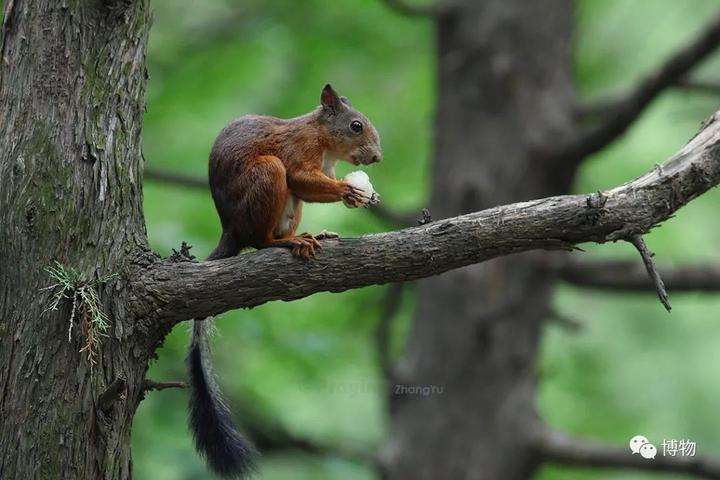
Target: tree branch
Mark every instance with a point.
(605, 106)
(631, 276)
(269, 436)
(631, 106)
(710, 87)
(174, 178)
(174, 292)
(561, 449)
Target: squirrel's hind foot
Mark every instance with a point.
(304, 245)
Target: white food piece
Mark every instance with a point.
(361, 181)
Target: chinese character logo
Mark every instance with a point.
(670, 448)
(679, 448)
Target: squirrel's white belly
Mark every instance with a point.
(328, 165)
(288, 216)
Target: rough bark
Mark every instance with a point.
(504, 85)
(72, 83)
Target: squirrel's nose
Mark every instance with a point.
(376, 159)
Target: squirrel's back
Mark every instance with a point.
(242, 138)
(251, 136)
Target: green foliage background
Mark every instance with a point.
(311, 364)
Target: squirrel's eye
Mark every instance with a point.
(356, 126)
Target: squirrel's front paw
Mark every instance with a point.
(353, 197)
(361, 183)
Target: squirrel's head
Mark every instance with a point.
(351, 135)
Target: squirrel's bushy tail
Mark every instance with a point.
(228, 454)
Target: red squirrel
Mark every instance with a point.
(262, 169)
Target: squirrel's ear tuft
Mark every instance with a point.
(329, 99)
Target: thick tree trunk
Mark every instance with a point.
(72, 85)
(505, 85)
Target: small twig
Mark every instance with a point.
(559, 448)
(647, 257)
(426, 217)
(151, 385)
(111, 394)
(183, 255)
(72, 315)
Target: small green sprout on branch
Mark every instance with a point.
(86, 307)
